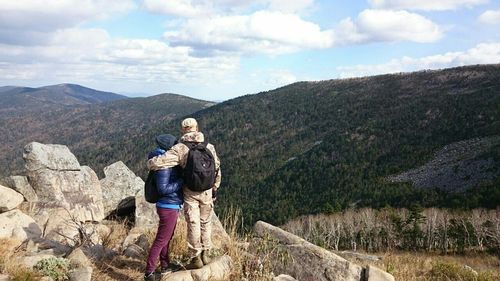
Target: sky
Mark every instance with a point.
(220, 49)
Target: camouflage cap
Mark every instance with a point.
(189, 124)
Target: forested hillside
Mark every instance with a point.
(319, 147)
(315, 147)
(86, 129)
(16, 101)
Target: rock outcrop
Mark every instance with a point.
(21, 185)
(60, 182)
(9, 199)
(120, 186)
(16, 225)
(315, 263)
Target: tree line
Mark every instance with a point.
(417, 229)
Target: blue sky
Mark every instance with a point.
(220, 49)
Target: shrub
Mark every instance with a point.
(446, 271)
(56, 268)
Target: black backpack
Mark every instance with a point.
(150, 191)
(199, 173)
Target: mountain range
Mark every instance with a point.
(317, 147)
(85, 120)
(16, 100)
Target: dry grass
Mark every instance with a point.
(118, 268)
(118, 230)
(434, 267)
(246, 266)
(8, 265)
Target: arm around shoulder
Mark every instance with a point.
(170, 159)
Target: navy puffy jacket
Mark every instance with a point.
(168, 181)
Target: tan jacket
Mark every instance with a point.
(177, 155)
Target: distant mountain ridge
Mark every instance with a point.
(19, 99)
(90, 121)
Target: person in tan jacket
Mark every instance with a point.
(198, 206)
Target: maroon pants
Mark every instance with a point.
(166, 227)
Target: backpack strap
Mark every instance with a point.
(192, 145)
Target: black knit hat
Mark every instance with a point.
(166, 141)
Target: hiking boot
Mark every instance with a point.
(172, 267)
(205, 257)
(149, 276)
(195, 263)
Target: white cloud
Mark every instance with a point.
(425, 5)
(91, 54)
(182, 8)
(203, 8)
(290, 6)
(262, 32)
(484, 53)
(278, 33)
(28, 21)
(388, 25)
(490, 17)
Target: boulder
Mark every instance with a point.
(21, 185)
(49, 156)
(315, 263)
(82, 270)
(19, 226)
(78, 258)
(119, 185)
(59, 225)
(9, 199)
(145, 212)
(60, 182)
(217, 270)
(81, 274)
(136, 245)
(376, 274)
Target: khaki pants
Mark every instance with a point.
(198, 208)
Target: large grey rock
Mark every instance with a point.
(136, 244)
(49, 156)
(217, 270)
(68, 193)
(119, 185)
(78, 258)
(145, 212)
(83, 266)
(58, 225)
(9, 199)
(315, 263)
(375, 274)
(21, 185)
(81, 274)
(79, 192)
(17, 225)
(60, 182)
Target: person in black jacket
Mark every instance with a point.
(169, 184)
